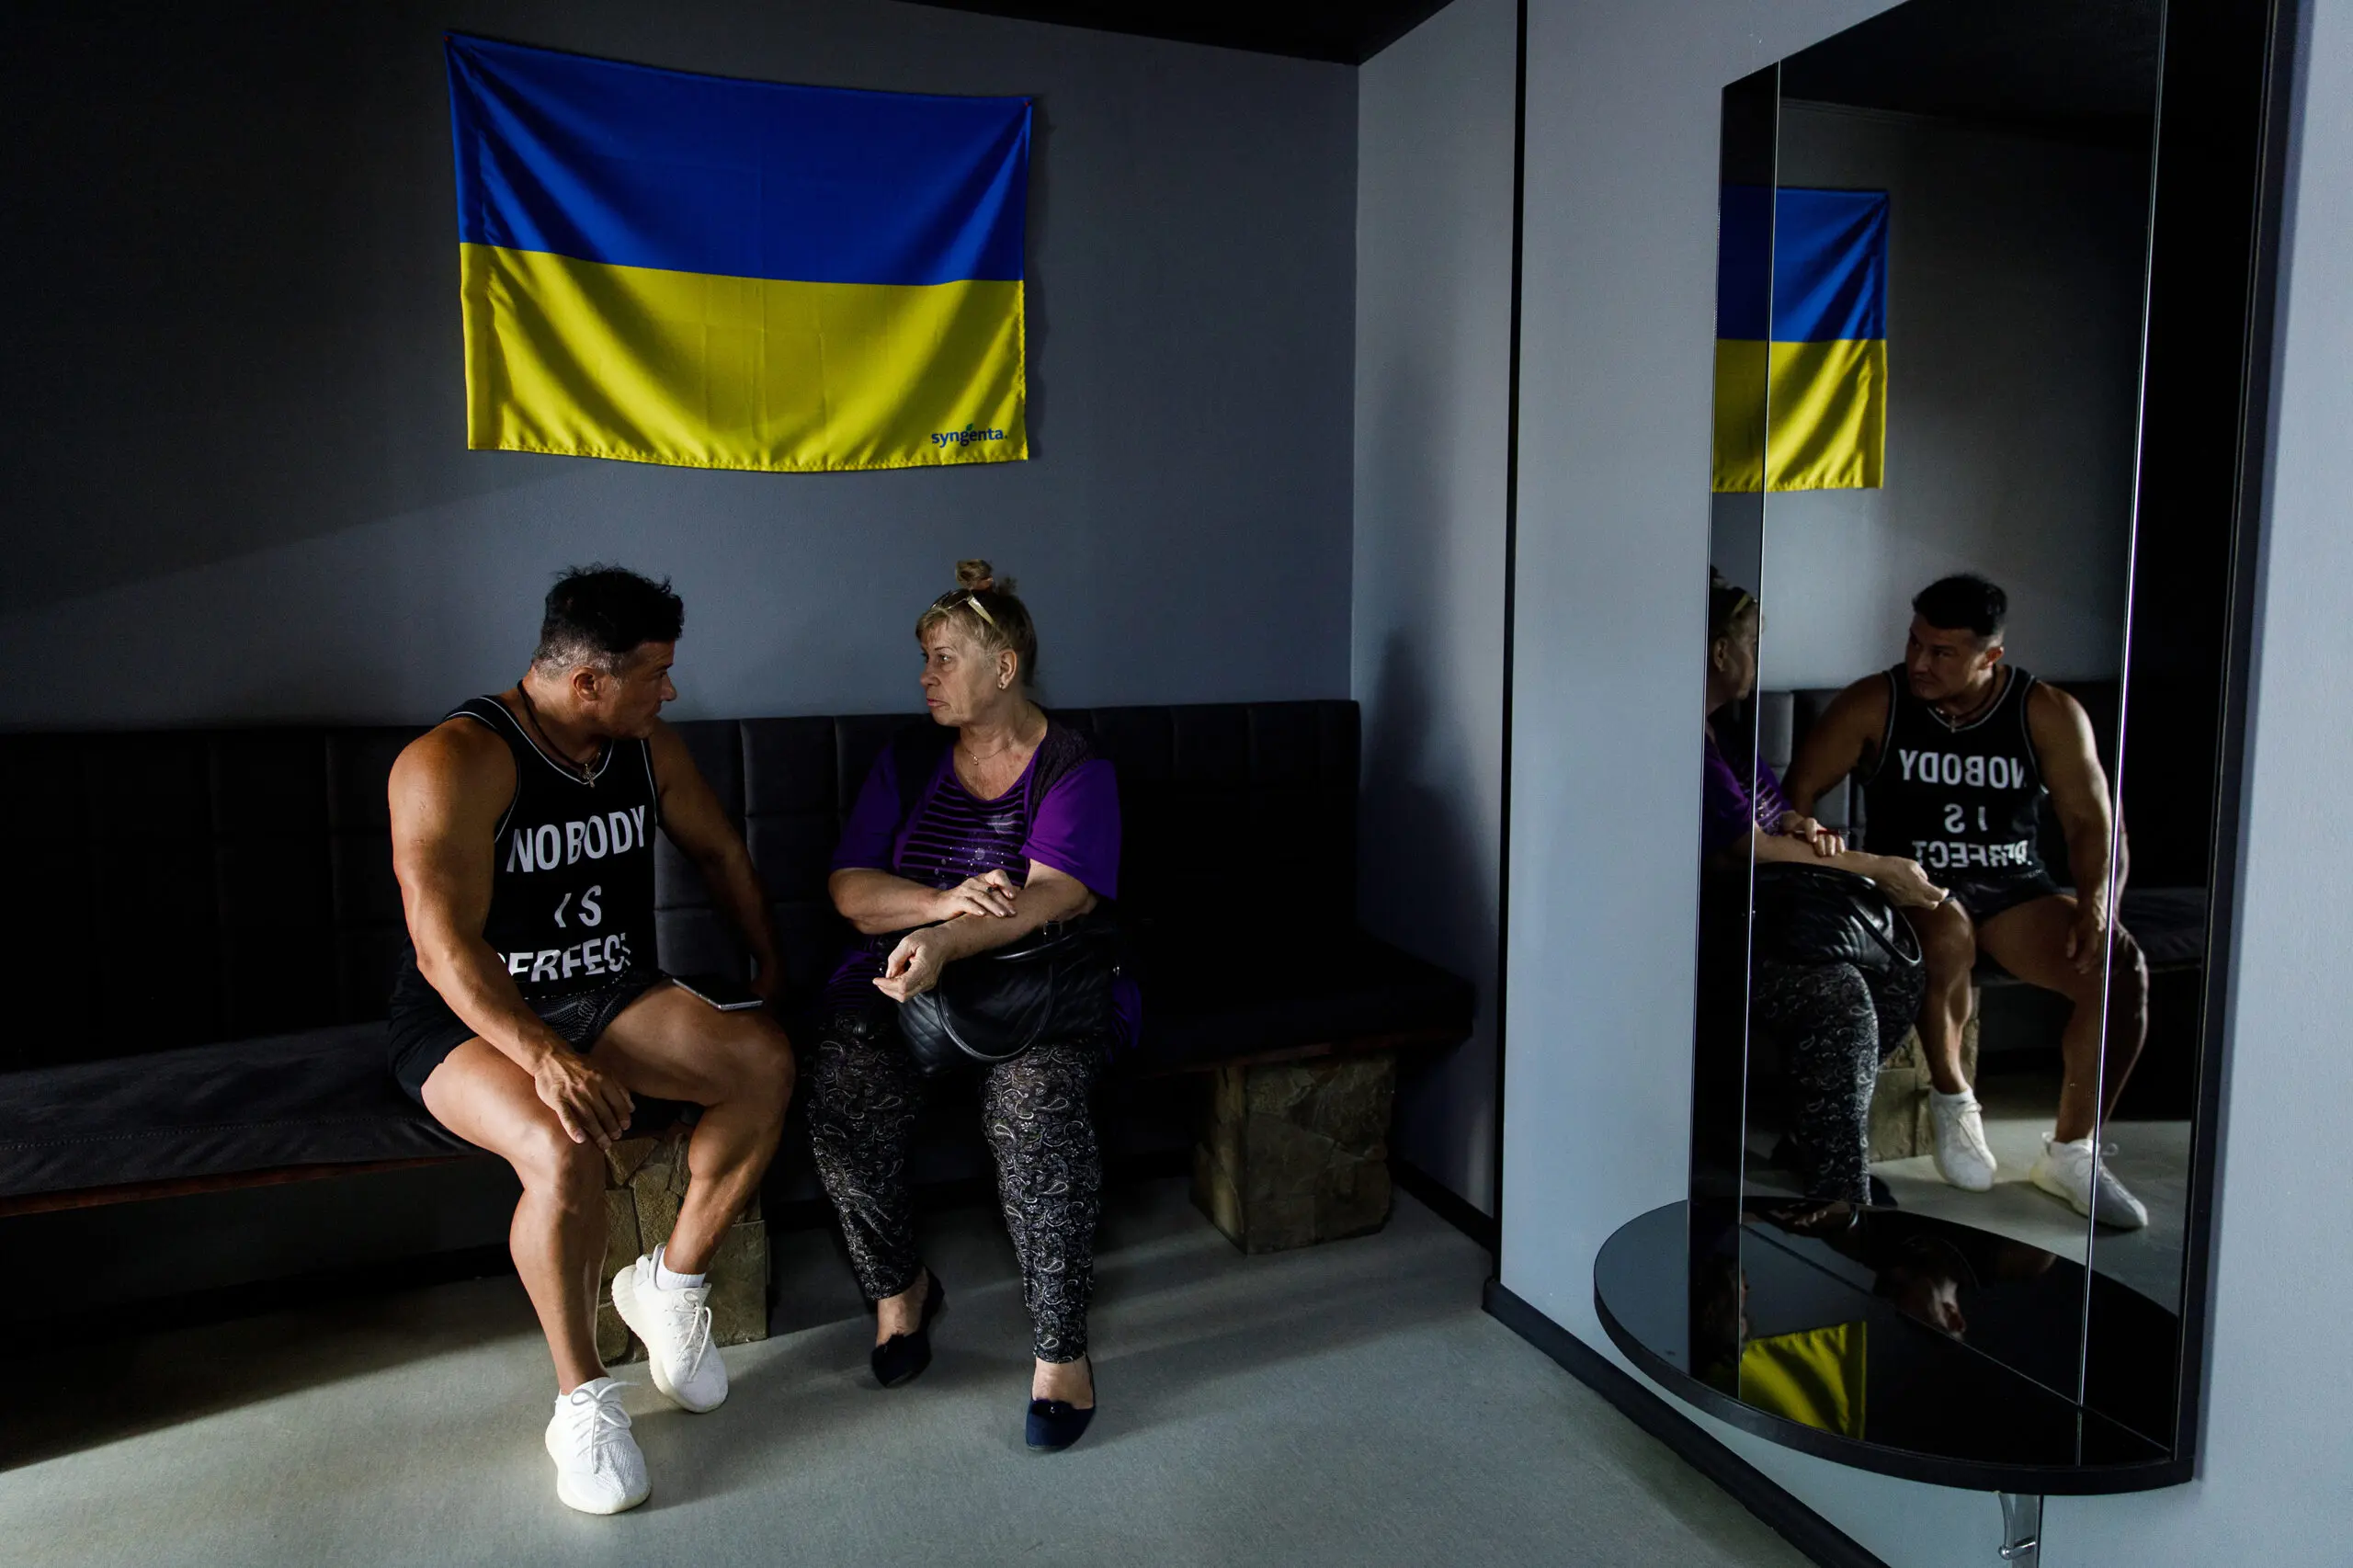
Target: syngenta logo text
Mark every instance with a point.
(965, 437)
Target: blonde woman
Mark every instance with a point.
(967, 836)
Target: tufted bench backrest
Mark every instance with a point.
(171, 888)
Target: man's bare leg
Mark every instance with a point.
(1948, 946)
(738, 1067)
(558, 1233)
(2030, 942)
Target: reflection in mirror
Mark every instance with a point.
(1930, 951)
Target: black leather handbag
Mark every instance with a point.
(1822, 914)
(1052, 987)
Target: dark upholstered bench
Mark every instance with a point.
(203, 927)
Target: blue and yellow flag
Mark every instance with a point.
(1816, 1377)
(1810, 361)
(689, 269)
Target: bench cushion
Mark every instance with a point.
(269, 852)
(1201, 1003)
(2168, 923)
(322, 1096)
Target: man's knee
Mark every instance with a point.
(2128, 976)
(549, 1160)
(755, 1067)
(1947, 946)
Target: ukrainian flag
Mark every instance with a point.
(1802, 370)
(688, 269)
(1816, 1377)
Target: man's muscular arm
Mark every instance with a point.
(449, 790)
(2069, 757)
(1837, 743)
(698, 824)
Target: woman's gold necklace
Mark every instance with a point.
(976, 758)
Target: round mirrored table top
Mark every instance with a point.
(1897, 1343)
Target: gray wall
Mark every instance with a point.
(236, 472)
(1434, 154)
(1613, 538)
(2013, 338)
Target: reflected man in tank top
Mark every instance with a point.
(1955, 749)
(530, 1011)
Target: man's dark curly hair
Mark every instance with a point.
(1964, 603)
(599, 614)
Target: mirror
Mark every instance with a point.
(1970, 747)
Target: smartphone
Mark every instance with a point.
(723, 991)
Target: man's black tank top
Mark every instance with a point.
(1957, 798)
(572, 894)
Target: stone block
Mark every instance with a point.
(1899, 1118)
(615, 1343)
(648, 1182)
(623, 1158)
(739, 1285)
(622, 1245)
(1296, 1152)
(658, 1188)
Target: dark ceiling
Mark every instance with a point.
(1309, 29)
(2084, 66)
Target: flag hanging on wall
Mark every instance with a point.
(1811, 362)
(696, 270)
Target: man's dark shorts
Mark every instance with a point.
(424, 1031)
(1984, 898)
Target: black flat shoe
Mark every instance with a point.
(902, 1357)
(1056, 1424)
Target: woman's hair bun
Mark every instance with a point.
(979, 576)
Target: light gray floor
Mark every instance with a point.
(1348, 1403)
(2152, 1159)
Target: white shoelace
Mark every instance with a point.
(678, 1304)
(596, 1421)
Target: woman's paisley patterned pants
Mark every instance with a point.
(1836, 1025)
(864, 1093)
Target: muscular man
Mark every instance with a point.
(1955, 750)
(528, 1010)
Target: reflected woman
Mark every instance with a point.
(1834, 1022)
(979, 833)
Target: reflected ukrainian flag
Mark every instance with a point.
(674, 268)
(1816, 1377)
(1800, 374)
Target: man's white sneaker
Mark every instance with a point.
(1963, 1157)
(676, 1327)
(598, 1468)
(2074, 1172)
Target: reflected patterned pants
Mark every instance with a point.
(1835, 1025)
(864, 1092)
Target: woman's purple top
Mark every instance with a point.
(1729, 804)
(950, 836)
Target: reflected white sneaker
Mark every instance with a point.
(1962, 1156)
(2072, 1171)
(598, 1468)
(675, 1327)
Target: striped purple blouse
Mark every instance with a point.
(951, 835)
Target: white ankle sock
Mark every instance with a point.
(1964, 1097)
(664, 1280)
(592, 1386)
